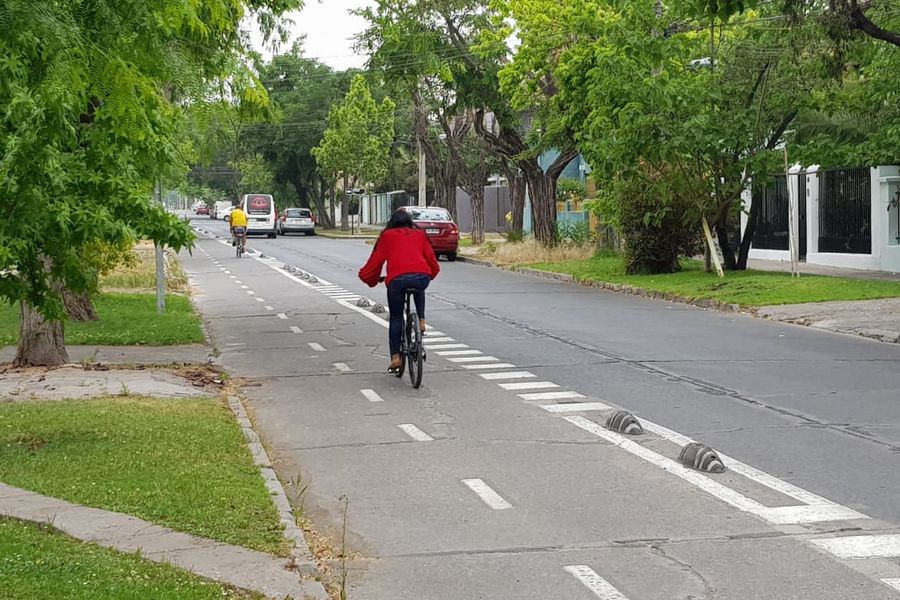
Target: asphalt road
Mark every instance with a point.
(467, 489)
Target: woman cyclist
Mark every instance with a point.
(411, 264)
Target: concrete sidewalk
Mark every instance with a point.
(239, 567)
(784, 266)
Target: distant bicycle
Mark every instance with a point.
(240, 241)
(412, 348)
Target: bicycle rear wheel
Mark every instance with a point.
(416, 351)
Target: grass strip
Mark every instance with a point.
(745, 288)
(124, 320)
(179, 463)
(38, 563)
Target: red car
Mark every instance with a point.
(439, 227)
(202, 210)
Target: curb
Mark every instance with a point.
(612, 287)
(347, 237)
(301, 553)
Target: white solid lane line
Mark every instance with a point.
(510, 375)
(601, 587)
(317, 347)
(415, 433)
(893, 582)
(296, 329)
(447, 346)
(364, 312)
(862, 546)
(487, 494)
(473, 359)
(372, 396)
(458, 352)
(529, 385)
(575, 407)
(282, 316)
(489, 366)
(551, 396)
(342, 367)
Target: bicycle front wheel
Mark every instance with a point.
(416, 350)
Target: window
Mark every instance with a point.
(259, 205)
(429, 214)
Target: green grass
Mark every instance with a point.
(179, 463)
(465, 241)
(125, 320)
(746, 288)
(38, 563)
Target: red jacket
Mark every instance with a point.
(405, 251)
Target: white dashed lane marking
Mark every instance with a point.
(529, 385)
(489, 366)
(438, 340)
(260, 300)
(862, 546)
(447, 346)
(270, 308)
(296, 329)
(601, 587)
(575, 407)
(511, 375)
(487, 494)
(372, 396)
(551, 396)
(893, 582)
(473, 359)
(342, 367)
(415, 433)
(458, 352)
(282, 316)
(317, 347)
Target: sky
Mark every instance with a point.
(329, 31)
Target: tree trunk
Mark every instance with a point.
(543, 202)
(41, 342)
(450, 185)
(517, 201)
(747, 238)
(345, 206)
(79, 306)
(321, 209)
(725, 244)
(476, 196)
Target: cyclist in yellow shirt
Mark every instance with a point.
(238, 222)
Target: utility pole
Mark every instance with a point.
(423, 177)
(160, 266)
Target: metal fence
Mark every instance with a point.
(845, 211)
(771, 231)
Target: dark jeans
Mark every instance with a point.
(417, 281)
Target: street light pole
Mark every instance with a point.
(423, 177)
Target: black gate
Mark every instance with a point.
(771, 231)
(845, 211)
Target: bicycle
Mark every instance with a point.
(240, 245)
(412, 349)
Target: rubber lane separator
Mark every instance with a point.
(487, 494)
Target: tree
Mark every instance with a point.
(461, 46)
(692, 114)
(358, 140)
(90, 122)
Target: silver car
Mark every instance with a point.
(297, 220)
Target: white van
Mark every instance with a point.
(260, 211)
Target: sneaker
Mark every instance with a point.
(422, 325)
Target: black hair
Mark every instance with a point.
(400, 219)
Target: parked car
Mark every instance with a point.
(203, 210)
(226, 214)
(219, 208)
(299, 220)
(439, 227)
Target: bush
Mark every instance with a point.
(514, 236)
(574, 232)
(654, 221)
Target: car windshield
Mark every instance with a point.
(296, 213)
(429, 214)
(259, 205)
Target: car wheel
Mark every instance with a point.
(451, 256)
(308, 233)
(272, 235)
